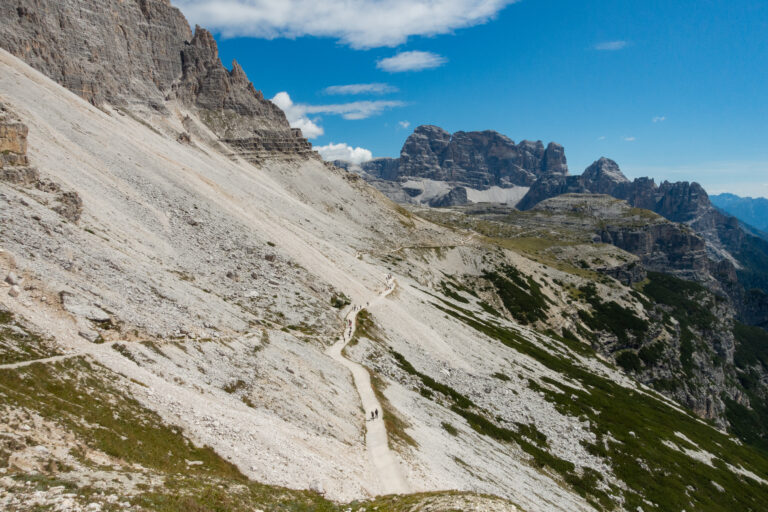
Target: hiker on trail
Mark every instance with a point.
(372, 415)
(377, 413)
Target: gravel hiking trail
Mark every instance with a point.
(381, 457)
(84, 351)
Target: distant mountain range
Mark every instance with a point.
(752, 211)
(439, 169)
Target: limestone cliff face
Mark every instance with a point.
(477, 160)
(116, 52)
(139, 54)
(231, 106)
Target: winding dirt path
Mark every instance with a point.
(386, 465)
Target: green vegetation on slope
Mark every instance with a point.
(751, 358)
(611, 317)
(521, 295)
(631, 427)
(89, 401)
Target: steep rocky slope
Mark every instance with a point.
(690, 358)
(167, 348)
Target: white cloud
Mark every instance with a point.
(630, 139)
(659, 119)
(358, 23)
(295, 115)
(611, 46)
(375, 88)
(602, 137)
(411, 61)
(344, 152)
(404, 124)
(353, 110)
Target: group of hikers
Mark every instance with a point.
(374, 414)
(390, 287)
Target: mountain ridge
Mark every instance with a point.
(751, 211)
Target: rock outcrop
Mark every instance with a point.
(551, 186)
(231, 106)
(15, 168)
(457, 196)
(14, 165)
(138, 55)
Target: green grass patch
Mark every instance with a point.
(521, 295)
(450, 429)
(87, 399)
(449, 392)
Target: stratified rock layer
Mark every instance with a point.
(14, 165)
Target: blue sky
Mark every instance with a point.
(674, 90)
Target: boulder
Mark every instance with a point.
(12, 279)
(82, 308)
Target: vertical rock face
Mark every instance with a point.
(104, 51)
(457, 196)
(141, 53)
(478, 159)
(682, 201)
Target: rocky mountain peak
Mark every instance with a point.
(603, 176)
(605, 169)
(431, 131)
(479, 160)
